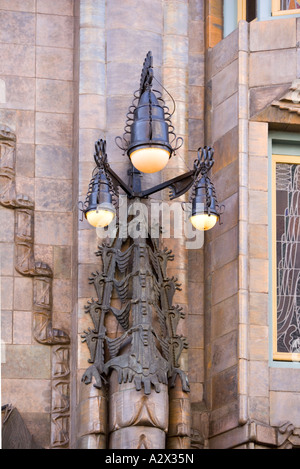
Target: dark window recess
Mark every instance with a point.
(251, 10)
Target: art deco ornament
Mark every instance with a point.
(149, 128)
(148, 349)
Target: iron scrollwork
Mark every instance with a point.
(148, 349)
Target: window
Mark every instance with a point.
(285, 7)
(247, 10)
(286, 257)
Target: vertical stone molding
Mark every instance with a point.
(175, 65)
(60, 410)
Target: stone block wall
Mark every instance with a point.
(36, 108)
(67, 76)
(247, 71)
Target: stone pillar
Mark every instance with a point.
(92, 418)
(175, 78)
(91, 125)
(136, 420)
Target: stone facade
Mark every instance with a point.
(68, 72)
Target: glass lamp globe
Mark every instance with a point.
(204, 221)
(100, 217)
(150, 160)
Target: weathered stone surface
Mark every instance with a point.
(224, 388)
(62, 295)
(20, 93)
(26, 362)
(92, 112)
(272, 67)
(224, 317)
(196, 70)
(6, 332)
(224, 249)
(284, 379)
(53, 161)
(225, 282)
(225, 117)
(224, 352)
(259, 409)
(258, 174)
(53, 196)
(284, 406)
(23, 291)
(224, 52)
(28, 395)
(22, 327)
(62, 262)
(132, 14)
(54, 62)
(258, 308)
(92, 13)
(197, 39)
(54, 96)
(196, 372)
(23, 55)
(259, 342)
(195, 331)
(17, 27)
(261, 96)
(92, 77)
(268, 35)
(7, 293)
(258, 241)
(225, 83)
(54, 31)
(53, 229)
(25, 160)
(64, 7)
(16, 5)
(258, 139)
(258, 208)
(54, 129)
(259, 269)
(258, 378)
(6, 259)
(137, 438)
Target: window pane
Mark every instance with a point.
(289, 4)
(251, 10)
(288, 257)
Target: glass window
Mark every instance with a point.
(286, 257)
(289, 5)
(285, 7)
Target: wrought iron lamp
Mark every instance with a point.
(136, 267)
(205, 207)
(148, 139)
(149, 133)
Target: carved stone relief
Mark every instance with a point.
(26, 264)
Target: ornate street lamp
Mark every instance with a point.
(137, 269)
(148, 139)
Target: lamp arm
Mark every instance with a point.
(178, 186)
(117, 182)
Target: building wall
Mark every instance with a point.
(68, 74)
(36, 70)
(247, 71)
(67, 78)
